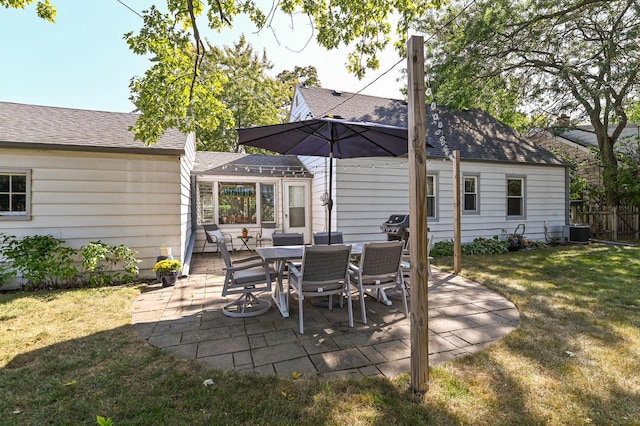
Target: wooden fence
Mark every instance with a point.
(620, 224)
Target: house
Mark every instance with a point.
(86, 179)
(506, 180)
(579, 144)
(236, 190)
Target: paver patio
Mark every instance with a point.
(187, 320)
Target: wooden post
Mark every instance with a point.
(457, 233)
(418, 213)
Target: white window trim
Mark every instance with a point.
(477, 209)
(523, 179)
(435, 196)
(26, 215)
(215, 184)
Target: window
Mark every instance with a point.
(15, 194)
(515, 197)
(431, 196)
(236, 202)
(470, 194)
(267, 202)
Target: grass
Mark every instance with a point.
(68, 356)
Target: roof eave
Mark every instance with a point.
(101, 149)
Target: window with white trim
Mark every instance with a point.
(241, 203)
(515, 197)
(431, 196)
(15, 194)
(470, 194)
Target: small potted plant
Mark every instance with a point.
(245, 232)
(168, 269)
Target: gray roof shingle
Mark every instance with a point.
(44, 127)
(476, 134)
(227, 163)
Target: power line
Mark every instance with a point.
(442, 27)
(127, 6)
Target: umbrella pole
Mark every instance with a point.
(330, 201)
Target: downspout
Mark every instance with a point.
(186, 265)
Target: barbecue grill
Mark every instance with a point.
(397, 227)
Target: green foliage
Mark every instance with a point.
(43, 261)
(627, 176)
(247, 94)
(579, 187)
(546, 57)
(478, 246)
(44, 9)
(102, 421)
(100, 261)
(193, 87)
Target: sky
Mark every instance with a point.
(82, 61)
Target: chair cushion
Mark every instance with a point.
(215, 235)
(252, 275)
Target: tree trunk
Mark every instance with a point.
(609, 162)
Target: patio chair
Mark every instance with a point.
(379, 269)
(215, 236)
(405, 264)
(245, 279)
(266, 233)
(288, 239)
(324, 272)
(323, 238)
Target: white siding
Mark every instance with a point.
(368, 190)
(132, 199)
(187, 162)
(319, 167)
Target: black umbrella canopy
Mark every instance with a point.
(329, 137)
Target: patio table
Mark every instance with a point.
(280, 255)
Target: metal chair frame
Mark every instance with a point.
(379, 269)
(245, 280)
(324, 272)
(214, 235)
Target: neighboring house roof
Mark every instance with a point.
(585, 135)
(44, 127)
(476, 134)
(232, 164)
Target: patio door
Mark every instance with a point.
(296, 207)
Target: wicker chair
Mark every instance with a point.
(245, 280)
(324, 272)
(379, 269)
(323, 238)
(215, 236)
(288, 239)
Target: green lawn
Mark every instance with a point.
(68, 356)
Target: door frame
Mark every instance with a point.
(306, 184)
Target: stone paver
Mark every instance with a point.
(186, 320)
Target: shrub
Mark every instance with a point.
(478, 246)
(43, 261)
(100, 261)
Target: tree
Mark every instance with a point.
(579, 57)
(44, 9)
(250, 96)
(177, 90)
(307, 76)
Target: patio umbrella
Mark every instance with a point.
(329, 137)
